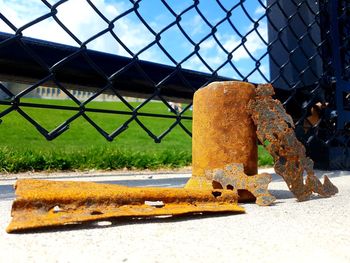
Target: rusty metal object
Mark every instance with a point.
(42, 203)
(222, 131)
(233, 177)
(275, 130)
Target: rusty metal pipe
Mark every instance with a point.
(223, 132)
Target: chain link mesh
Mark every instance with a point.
(195, 43)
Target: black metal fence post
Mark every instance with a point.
(294, 36)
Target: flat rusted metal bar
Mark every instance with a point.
(41, 203)
(275, 130)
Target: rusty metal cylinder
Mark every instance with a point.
(223, 132)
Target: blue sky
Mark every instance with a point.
(81, 19)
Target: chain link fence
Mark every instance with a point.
(165, 50)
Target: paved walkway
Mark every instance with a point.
(289, 231)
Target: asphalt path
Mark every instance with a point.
(288, 231)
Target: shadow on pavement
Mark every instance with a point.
(281, 194)
(7, 192)
(118, 222)
(319, 174)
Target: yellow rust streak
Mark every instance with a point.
(42, 203)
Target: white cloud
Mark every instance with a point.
(17, 12)
(264, 69)
(215, 56)
(81, 20)
(194, 63)
(254, 43)
(208, 44)
(260, 10)
(196, 25)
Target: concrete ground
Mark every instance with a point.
(289, 231)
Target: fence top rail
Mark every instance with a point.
(17, 65)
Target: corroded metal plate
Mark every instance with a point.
(275, 130)
(41, 203)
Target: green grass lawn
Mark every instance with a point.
(23, 148)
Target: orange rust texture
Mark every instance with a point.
(275, 129)
(42, 203)
(233, 177)
(222, 129)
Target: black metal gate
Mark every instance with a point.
(304, 43)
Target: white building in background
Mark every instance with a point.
(56, 94)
